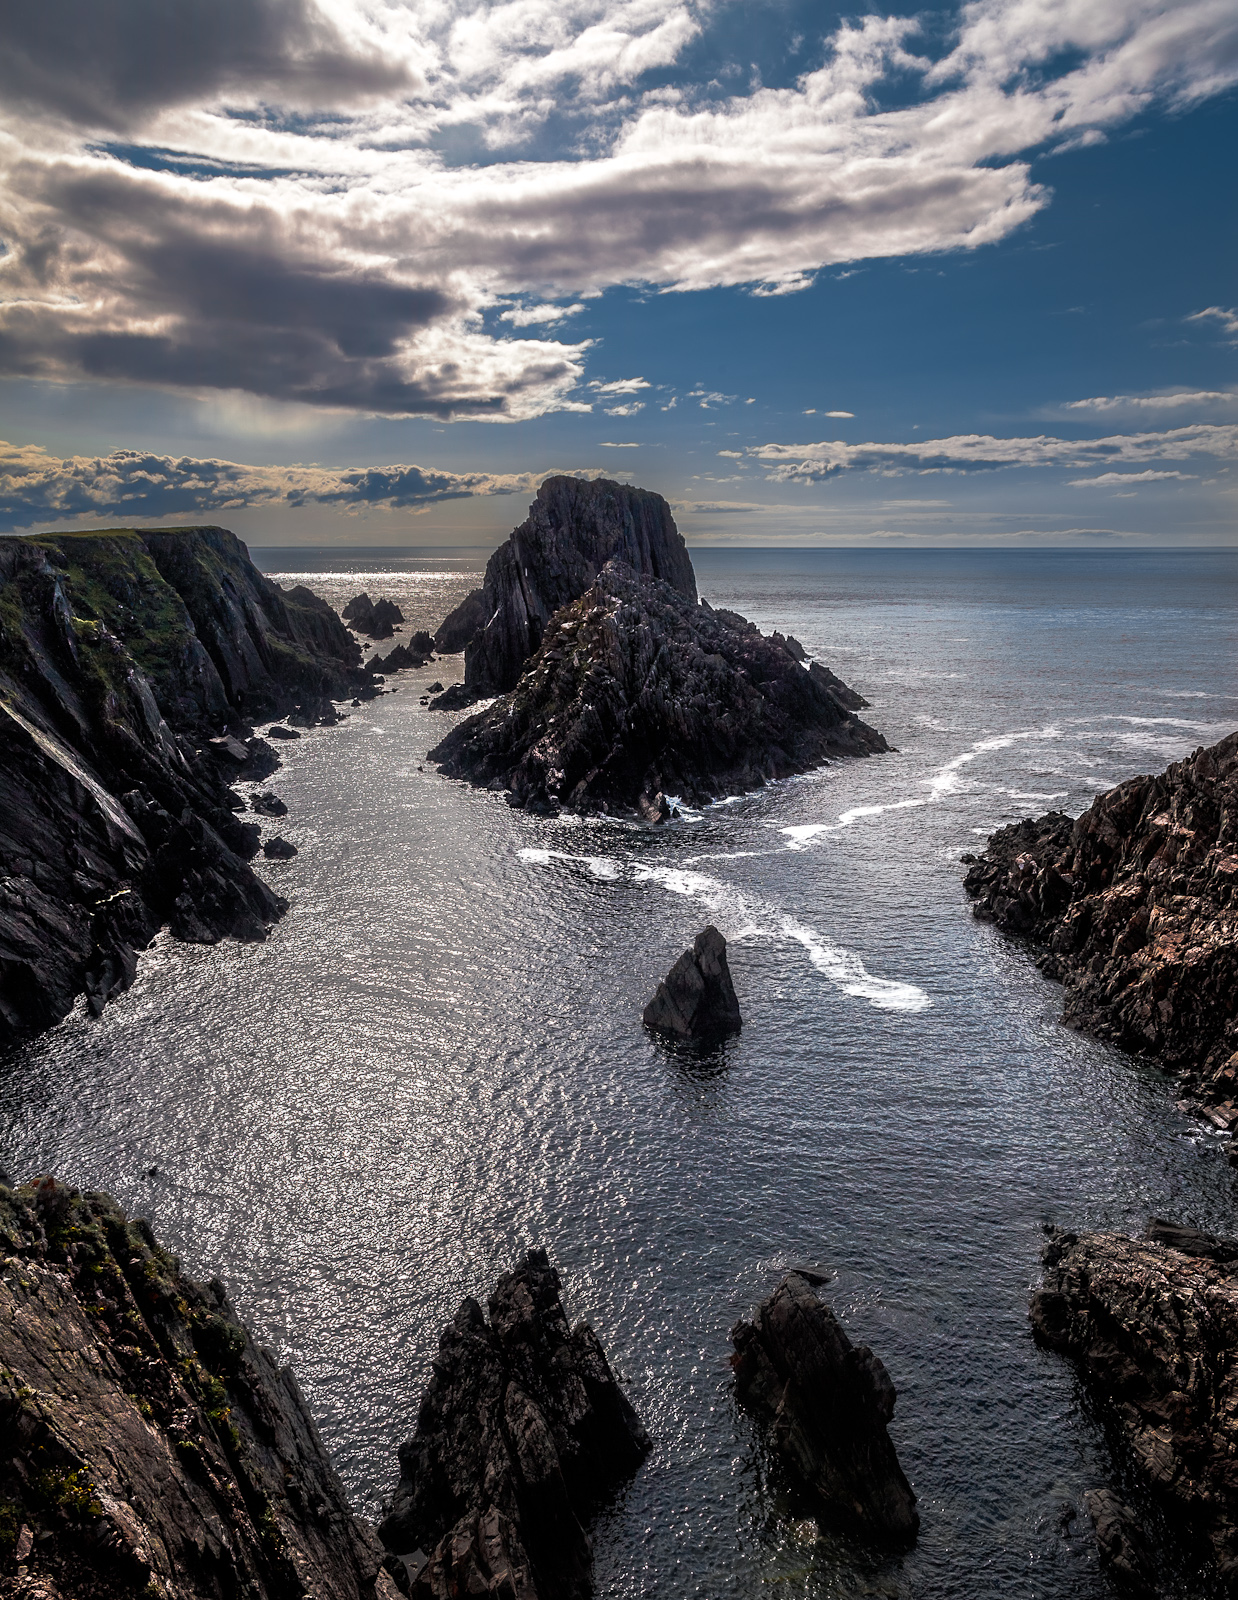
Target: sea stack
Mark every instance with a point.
(1153, 1326)
(1132, 906)
(521, 1436)
(827, 1404)
(696, 1000)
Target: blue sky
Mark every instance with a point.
(363, 272)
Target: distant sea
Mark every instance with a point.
(437, 1059)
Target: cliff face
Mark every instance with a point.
(1134, 907)
(147, 1446)
(636, 690)
(1153, 1325)
(573, 529)
(121, 654)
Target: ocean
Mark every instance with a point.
(437, 1060)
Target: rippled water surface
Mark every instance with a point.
(437, 1059)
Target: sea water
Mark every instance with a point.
(437, 1060)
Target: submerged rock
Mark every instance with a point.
(696, 1000)
(522, 1434)
(149, 1446)
(574, 528)
(636, 689)
(1133, 906)
(827, 1404)
(1154, 1330)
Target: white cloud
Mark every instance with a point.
(840, 413)
(621, 386)
(1108, 480)
(811, 463)
(1154, 402)
(614, 444)
(1227, 316)
(305, 240)
(734, 455)
(708, 398)
(629, 410)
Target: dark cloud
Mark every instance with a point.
(109, 63)
(38, 488)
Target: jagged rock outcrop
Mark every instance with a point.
(573, 529)
(827, 1404)
(148, 1448)
(1134, 907)
(522, 1434)
(125, 659)
(1154, 1328)
(696, 1000)
(637, 691)
(377, 619)
(1120, 1542)
(460, 625)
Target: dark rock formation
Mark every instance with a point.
(278, 849)
(696, 1000)
(573, 529)
(147, 1445)
(130, 664)
(827, 1403)
(376, 619)
(460, 625)
(522, 1433)
(1133, 907)
(268, 804)
(396, 660)
(1155, 1332)
(636, 690)
(1123, 1551)
(278, 732)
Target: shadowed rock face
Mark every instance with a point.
(122, 655)
(1133, 906)
(635, 691)
(696, 1000)
(573, 529)
(1154, 1329)
(147, 1446)
(827, 1403)
(522, 1433)
(459, 626)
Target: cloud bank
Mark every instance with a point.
(262, 195)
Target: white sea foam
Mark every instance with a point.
(841, 967)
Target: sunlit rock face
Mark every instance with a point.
(1133, 907)
(574, 528)
(638, 692)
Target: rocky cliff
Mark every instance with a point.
(147, 1446)
(122, 655)
(1153, 1324)
(636, 690)
(573, 529)
(523, 1433)
(1134, 906)
(827, 1404)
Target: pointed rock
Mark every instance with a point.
(696, 1000)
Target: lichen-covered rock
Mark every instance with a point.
(696, 1000)
(573, 529)
(125, 658)
(827, 1404)
(1154, 1328)
(522, 1434)
(636, 691)
(1134, 907)
(148, 1448)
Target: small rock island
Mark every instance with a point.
(696, 1000)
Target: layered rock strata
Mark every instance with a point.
(1154, 1328)
(827, 1404)
(573, 529)
(522, 1434)
(696, 1001)
(147, 1446)
(635, 692)
(1134, 907)
(125, 659)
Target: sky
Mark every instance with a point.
(364, 271)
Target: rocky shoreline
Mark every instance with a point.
(1133, 906)
(132, 667)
